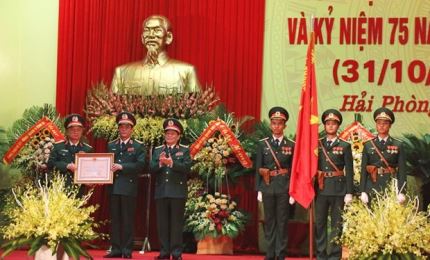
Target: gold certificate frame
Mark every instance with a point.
(94, 168)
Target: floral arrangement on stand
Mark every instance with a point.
(356, 134)
(102, 105)
(50, 215)
(219, 148)
(212, 215)
(389, 229)
(31, 139)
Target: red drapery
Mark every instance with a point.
(223, 39)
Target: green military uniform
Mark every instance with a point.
(171, 193)
(392, 152)
(331, 197)
(63, 154)
(130, 154)
(275, 194)
(331, 189)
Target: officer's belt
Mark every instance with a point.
(281, 171)
(322, 175)
(374, 171)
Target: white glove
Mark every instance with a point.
(364, 198)
(401, 198)
(348, 198)
(292, 200)
(260, 196)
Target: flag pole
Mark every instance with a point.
(311, 231)
(311, 207)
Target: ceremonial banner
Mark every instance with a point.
(305, 158)
(222, 127)
(43, 123)
(371, 54)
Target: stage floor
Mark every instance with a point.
(98, 255)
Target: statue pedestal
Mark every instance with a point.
(222, 245)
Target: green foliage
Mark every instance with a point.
(30, 117)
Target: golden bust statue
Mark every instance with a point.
(157, 73)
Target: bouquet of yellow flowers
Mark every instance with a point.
(214, 157)
(213, 215)
(387, 228)
(49, 215)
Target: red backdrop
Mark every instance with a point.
(223, 39)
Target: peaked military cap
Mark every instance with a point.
(278, 113)
(384, 113)
(125, 118)
(74, 120)
(173, 124)
(332, 114)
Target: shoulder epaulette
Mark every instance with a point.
(138, 141)
(322, 138)
(264, 139)
(291, 140)
(114, 140)
(397, 139)
(88, 145)
(182, 145)
(159, 146)
(61, 141)
(341, 139)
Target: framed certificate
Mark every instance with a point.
(94, 168)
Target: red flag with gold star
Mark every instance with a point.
(305, 160)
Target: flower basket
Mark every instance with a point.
(45, 253)
(222, 245)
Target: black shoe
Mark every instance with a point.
(128, 256)
(162, 257)
(113, 255)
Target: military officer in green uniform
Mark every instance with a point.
(62, 157)
(171, 163)
(383, 159)
(335, 184)
(273, 167)
(129, 161)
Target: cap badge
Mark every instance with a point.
(124, 116)
(170, 123)
(75, 119)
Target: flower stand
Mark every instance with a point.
(45, 253)
(222, 245)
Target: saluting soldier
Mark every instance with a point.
(171, 163)
(273, 167)
(335, 184)
(62, 157)
(129, 161)
(383, 159)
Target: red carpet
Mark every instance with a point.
(98, 255)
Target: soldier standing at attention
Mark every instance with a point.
(62, 157)
(383, 159)
(335, 184)
(171, 164)
(129, 161)
(273, 166)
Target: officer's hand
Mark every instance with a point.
(401, 198)
(348, 198)
(260, 196)
(292, 200)
(71, 167)
(116, 167)
(364, 198)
